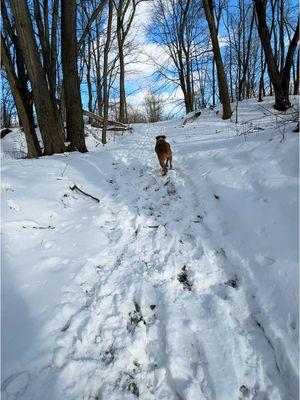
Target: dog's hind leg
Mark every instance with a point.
(170, 160)
(164, 168)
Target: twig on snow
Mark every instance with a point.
(39, 227)
(75, 187)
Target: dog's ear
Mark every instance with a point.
(164, 137)
(157, 137)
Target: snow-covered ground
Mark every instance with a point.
(179, 287)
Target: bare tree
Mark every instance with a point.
(45, 108)
(74, 118)
(176, 28)
(33, 146)
(48, 40)
(154, 107)
(7, 105)
(90, 21)
(20, 69)
(125, 12)
(280, 79)
(105, 70)
(222, 80)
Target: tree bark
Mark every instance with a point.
(222, 81)
(33, 147)
(246, 55)
(46, 115)
(186, 51)
(121, 39)
(286, 72)
(296, 84)
(281, 32)
(105, 71)
(89, 24)
(21, 71)
(74, 118)
(48, 47)
(88, 59)
(279, 81)
(122, 8)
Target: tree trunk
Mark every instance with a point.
(222, 81)
(74, 118)
(46, 115)
(279, 81)
(246, 55)
(33, 146)
(88, 58)
(186, 51)
(281, 32)
(48, 47)
(105, 71)
(21, 72)
(286, 72)
(296, 85)
(213, 83)
(99, 88)
(122, 113)
(261, 92)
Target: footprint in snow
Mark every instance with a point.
(13, 205)
(135, 317)
(182, 277)
(263, 260)
(127, 382)
(16, 384)
(171, 190)
(107, 356)
(48, 244)
(233, 283)
(220, 252)
(292, 323)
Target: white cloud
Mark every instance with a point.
(171, 102)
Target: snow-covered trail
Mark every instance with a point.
(160, 302)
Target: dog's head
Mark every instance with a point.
(160, 137)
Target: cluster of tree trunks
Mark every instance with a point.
(41, 77)
(50, 128)
(280, 78)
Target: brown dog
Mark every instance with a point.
(164, 153)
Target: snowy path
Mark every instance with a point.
(159, 303)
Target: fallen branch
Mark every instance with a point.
(100, 119)
(39, 227)
(157, 226)
(119, 129)
(75, 187)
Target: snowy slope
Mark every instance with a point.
(177, 287)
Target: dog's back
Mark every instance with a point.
(163, 148)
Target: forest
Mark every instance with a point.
(58, 57)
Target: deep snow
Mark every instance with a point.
(177, 287)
